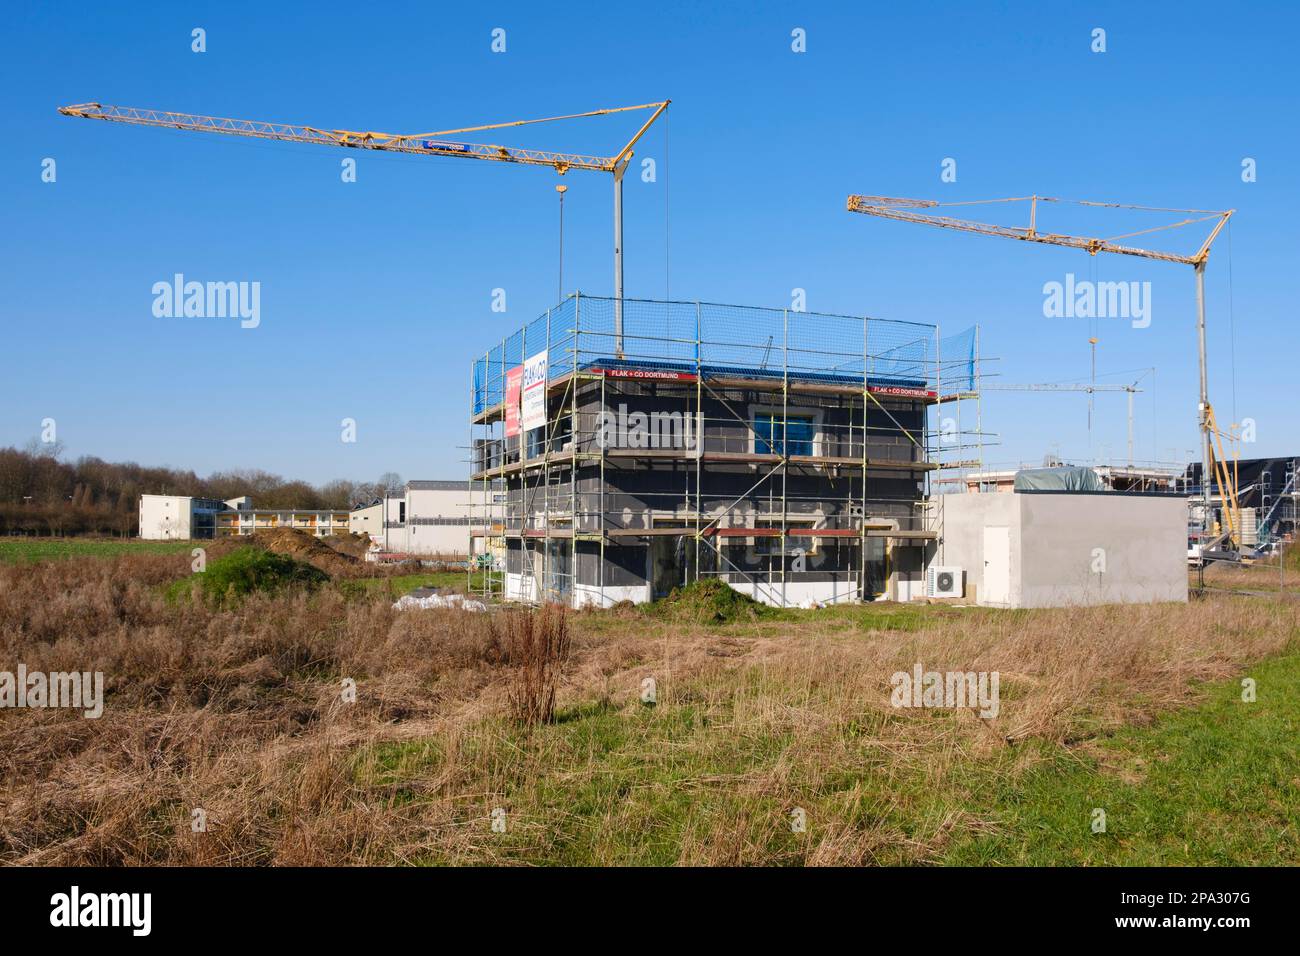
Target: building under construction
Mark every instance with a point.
(622, 448)
(1260, 500)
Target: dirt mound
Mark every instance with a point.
(305, 547)
(350, 543)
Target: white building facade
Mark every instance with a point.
(178, 517)
(430, 519)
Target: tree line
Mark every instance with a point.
(42, 493)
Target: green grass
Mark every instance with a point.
(405, 583)
(1217, 784)
(18, 550)
(887, 615)
(602, 764)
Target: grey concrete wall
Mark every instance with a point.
(1069, 550)
(1102, 549)
(437, 521)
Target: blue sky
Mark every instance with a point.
(376, 295)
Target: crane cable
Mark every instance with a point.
(1232, 328)
(668, 122)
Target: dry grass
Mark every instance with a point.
(240, 712)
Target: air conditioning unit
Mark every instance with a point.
(944, 581)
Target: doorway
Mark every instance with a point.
(997, 566)
(667, 564)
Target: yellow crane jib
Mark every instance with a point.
(437, 143)
(905, 210)
(433, 143)
(922, 211)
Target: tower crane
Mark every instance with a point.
(915, 210)
(1073, 387)
(423, 144)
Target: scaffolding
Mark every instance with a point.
(773, 448)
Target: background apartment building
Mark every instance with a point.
(429, 519)
(182, 517)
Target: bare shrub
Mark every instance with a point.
(537, 646)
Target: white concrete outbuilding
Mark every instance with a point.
(1060, 549)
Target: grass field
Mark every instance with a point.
(1218, 784)
(46, 549)
(1261, 575)
(399, 584)
(27, 549)
(760, 718)
(1213, 785)
(715, 776)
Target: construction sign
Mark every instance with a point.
(903, 391)
(646, 374)
(533, 404)
(514, 385)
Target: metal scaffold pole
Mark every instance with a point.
(602, 526)
(473, 403)
(979, 402)
(938, 408)
(862, 517)
(547, 431)
(699, 438)
(505, 515)
(785, 445)
(573, 481)
(618, 259)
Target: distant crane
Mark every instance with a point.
(1072, 387)
(423, 144)
(910, 210)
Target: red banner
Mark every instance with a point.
(514, 388)
(646, 374)
(902, 391)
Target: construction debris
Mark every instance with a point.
(426, 598)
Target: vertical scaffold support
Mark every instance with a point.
(862, 516)
(699, 437)
(785, 448)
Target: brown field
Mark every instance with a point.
(238, 711)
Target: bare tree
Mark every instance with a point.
(339, 493)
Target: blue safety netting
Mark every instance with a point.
(730, 339)
(957, 372)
